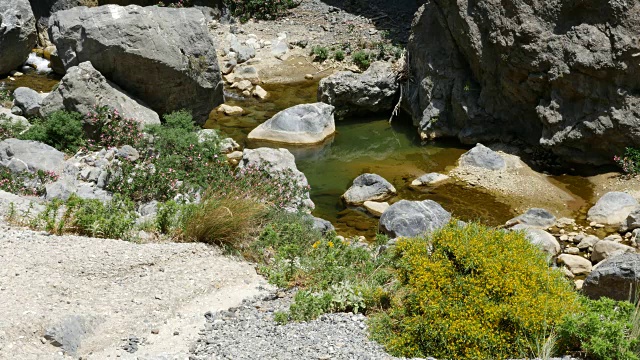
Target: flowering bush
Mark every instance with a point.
(9, 128)
(630, 162)
(26, 183)
(111, 129)
(471, 292)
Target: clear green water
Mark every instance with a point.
(33, 80)
(393, 151)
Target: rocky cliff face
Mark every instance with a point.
(559, 73)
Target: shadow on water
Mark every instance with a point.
(394, 151)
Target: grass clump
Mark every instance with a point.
(471, 293)
(362, 59)
(320, 53)
(605, 329)
(112, 219)
(62, 129)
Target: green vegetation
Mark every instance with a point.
(471, 293)
(9, 128)
(25, 183)
(6, 99)
(604, 330)
(320, 53)
(259, 9)
(338, 55)
(361, 59)
(113, 219)
(63, 130)
(630, 162)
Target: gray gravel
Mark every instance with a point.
(249, 332)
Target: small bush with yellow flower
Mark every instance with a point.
(471, 292)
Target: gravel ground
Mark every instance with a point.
(249, 332)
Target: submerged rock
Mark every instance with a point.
(353, 94)
(368, 187)
(83, 88)
(376, 208)
(612, 208)
(164, 56)
(17, 33)
(535, 217)
(300, 124)
(616, 278)
(483, 157)
(429, 179)
(413, 218)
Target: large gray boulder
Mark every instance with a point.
(299, 124)
(604, 249)
(28, 100)
(612, 208)
(29, 155)
(483, 157)
(368, 187)
(352, 94)
(83, 88)
(562, 74)
(412, 218)
(616, 278)
(17, 33)
(163, 56)
(280, 164)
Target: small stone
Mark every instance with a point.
(176, 333)
(572, 250)
(376, 208)
(155, 331)
(564, 237)
(579, 284)
(259, 92)
(230, 110)
(308, 77)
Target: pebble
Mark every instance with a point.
(308, 76)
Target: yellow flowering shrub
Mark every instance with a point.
(471, 292)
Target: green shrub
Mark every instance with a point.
(630, 162)
(10, 128)
(113, 219)
(361, 59)
(6, 99)
(471, 293)
(63, 130)
(605, 330)
(259, 9)
(339, 55)
(320, 53)
(110, 129)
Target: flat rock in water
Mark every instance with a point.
(300, 124)
(376, 208)
(612, 208)
(164, 56)
(230, 110)
(483, 157)
(429, 179)
(29, 155)
(616, 278)
(534, 217)
(368, 187)
(83, 88)
(413, 218)
(17, 33)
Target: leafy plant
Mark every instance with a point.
(259, 9)
(320, 53)
(6, 99)
(630, 162)
(26, 183)
(471, 292)
(112, 130)
(112, 219)
(10, 128)
(603, 330)
(63, 130)
(338, 55)
(361, 59)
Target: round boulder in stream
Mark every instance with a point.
(483, 157)
(300, 124)
(368, 187)
(413, 218)
(612, 208)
